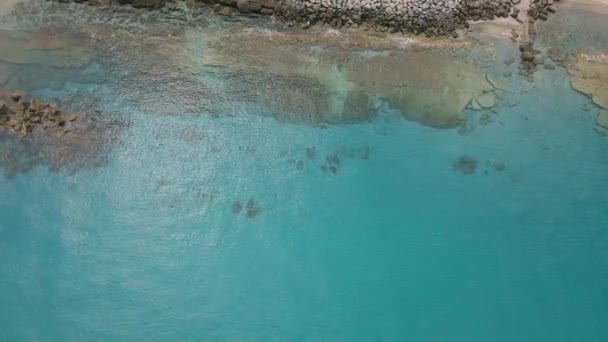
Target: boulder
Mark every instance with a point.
(15, 96)
(243, 6)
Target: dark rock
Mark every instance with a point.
(333, 159)
(237, 207)
(527, 56)
(465, 164)
(253, 208)
(498, 166)
(364, 152)
(311, 152)
(15, 96)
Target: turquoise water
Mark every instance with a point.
(395, 245)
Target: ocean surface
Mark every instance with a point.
(209, 225)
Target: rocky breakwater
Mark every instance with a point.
(432, 17)
(33, 132)
(530, 56)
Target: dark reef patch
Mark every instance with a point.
(237, 207)
(465, 164)
(253, 208)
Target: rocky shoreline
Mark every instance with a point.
(428, 17)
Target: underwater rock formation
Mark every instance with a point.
(431, 17)
(253, 208)
(34, 133)
(237, 207)
(465, 164)
(22, 117)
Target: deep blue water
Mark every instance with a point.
(395, 246)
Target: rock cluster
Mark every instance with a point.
(22, 117)
(528, 57)
(540, 9)
(35, 133)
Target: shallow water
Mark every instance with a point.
(359, 231)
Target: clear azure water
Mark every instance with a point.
(395, 246)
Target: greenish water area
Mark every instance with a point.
(217, 214)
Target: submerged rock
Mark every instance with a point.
(602, 119)
(498, 165)
(22, 117)
(311, 152)
(253, 208)
(33, 133)
(333, 159)
(465, 164)
(237, 207)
